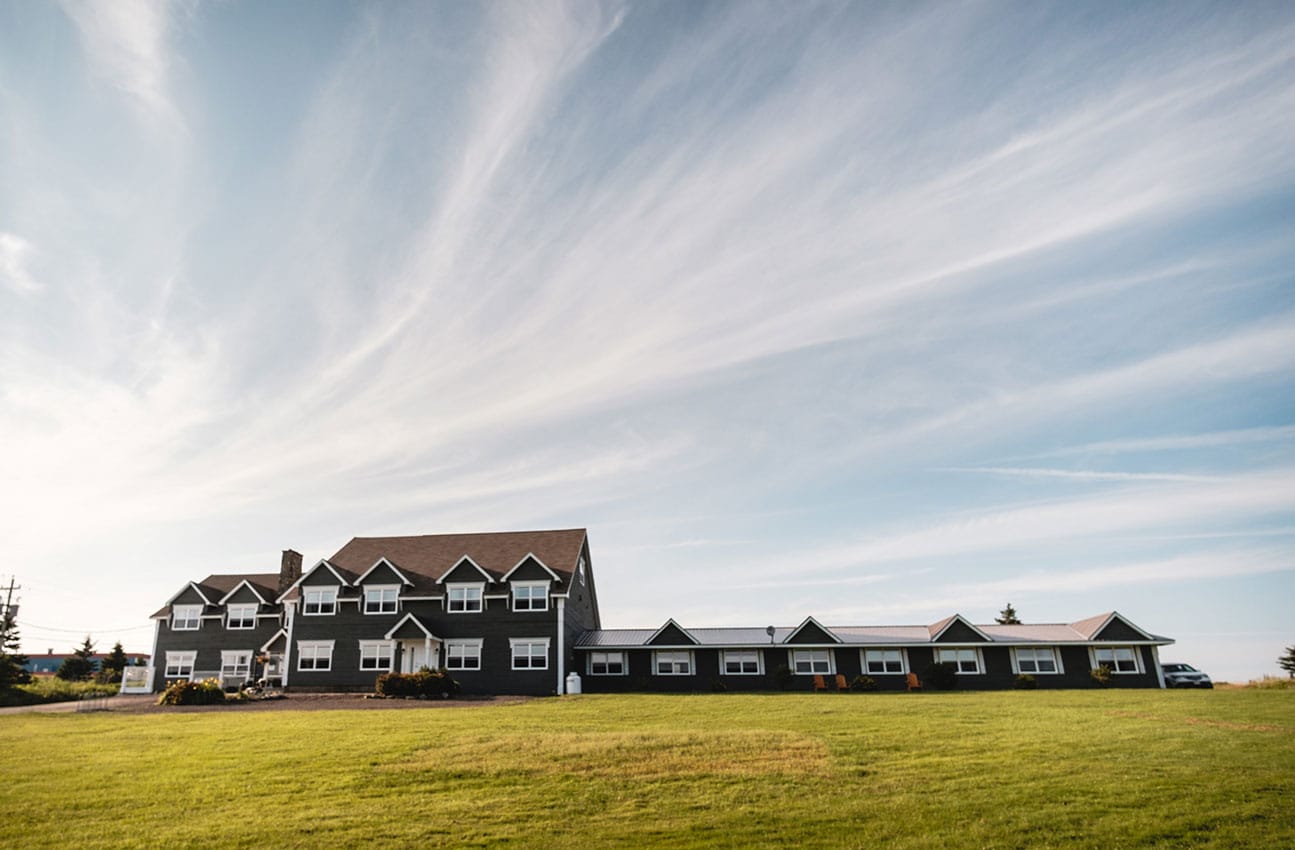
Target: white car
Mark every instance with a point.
(1185, 676)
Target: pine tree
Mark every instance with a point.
(1007, 617)
(81, 665)
(12, 662)
(112, 666)
(1287, 661)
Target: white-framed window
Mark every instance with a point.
(1036, 659)
(607, 664)
(235, 664)
(464, 598)
(185, 618)
(530, 596)
(463, 654)
(314, 655)
(530, 653)
(376, 654)
(964, 659)
(812, 661)
(381, 599)
(672, 662)
(1121, 659)
(240, 617)
(882, 662)
(741, 662)
(179, 665)
(319, 600)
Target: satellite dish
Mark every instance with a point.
(769, 631)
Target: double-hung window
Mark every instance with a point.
(1121, 659)
(376, 654)
(185, 618)
(812, 661)
(530, 596)
(530, 653)
(672, 662)
(880, 662)
(380, 600)
(607, 664)
(964, 660)
(464, 598)
(319, 600)
(1036, 659)
(235, 665)
(179, 665)
(463, 654)
(240, 617)
(315, 655)
(740, 662)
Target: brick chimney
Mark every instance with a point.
(289, 569)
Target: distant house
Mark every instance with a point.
(516, 612)
(48, 664)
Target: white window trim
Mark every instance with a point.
(243, 606)
(530, 585)
(315, 645)
(385, 650)
(381, 589)
(323, 591)
(512, 652)
(606, 653)
(473, 644)
(759, 662)
(178, 659)
(229, 658)
(1137, 659)
(831, 662)
(1056, 661)
(980, 658)
(661, 653)
(192, 613)
(479, 587)
(903, 660)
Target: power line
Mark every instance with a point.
(82, 631)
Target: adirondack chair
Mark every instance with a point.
(913, 683)
(841, 684)
(819, 684)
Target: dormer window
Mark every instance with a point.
(530, 596)
(319, 600)
(464, 598)
(241, 617)
(380, 600)
(186, 617)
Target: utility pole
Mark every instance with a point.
(8, 602)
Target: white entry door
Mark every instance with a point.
(413, 657)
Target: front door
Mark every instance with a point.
(413, 657)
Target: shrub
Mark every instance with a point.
(784, 678)
(206, 692)
(1026, 682)
(1101, 675)
(46, 689)
(942, 676)
(425, 683)
(863, 683)
(718, 687)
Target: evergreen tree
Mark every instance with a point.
(111, 667)
(12, 662)
(1287, 661)
(81, 665)
(1007, 617)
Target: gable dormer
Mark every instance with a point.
(811, 631)
(1110, 627)
(671, 634)
(383, 571)
(243, 594)
(530, 568)
(956, 629)
(466, 571)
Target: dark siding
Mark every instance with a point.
(243, 596)
(811, 633)
(960, 632)
(671, 635)
(208, 642)
(1116, 630)
(464, 573)
(190, 596)
(383, 575)
(322, 577)
(530, 570)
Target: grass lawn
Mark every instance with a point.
(1101, 769)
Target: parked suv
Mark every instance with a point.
(1185, 676)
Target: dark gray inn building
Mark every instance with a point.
(517, 613)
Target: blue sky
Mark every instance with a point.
(870, 312)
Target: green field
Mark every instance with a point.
(1101, 769)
